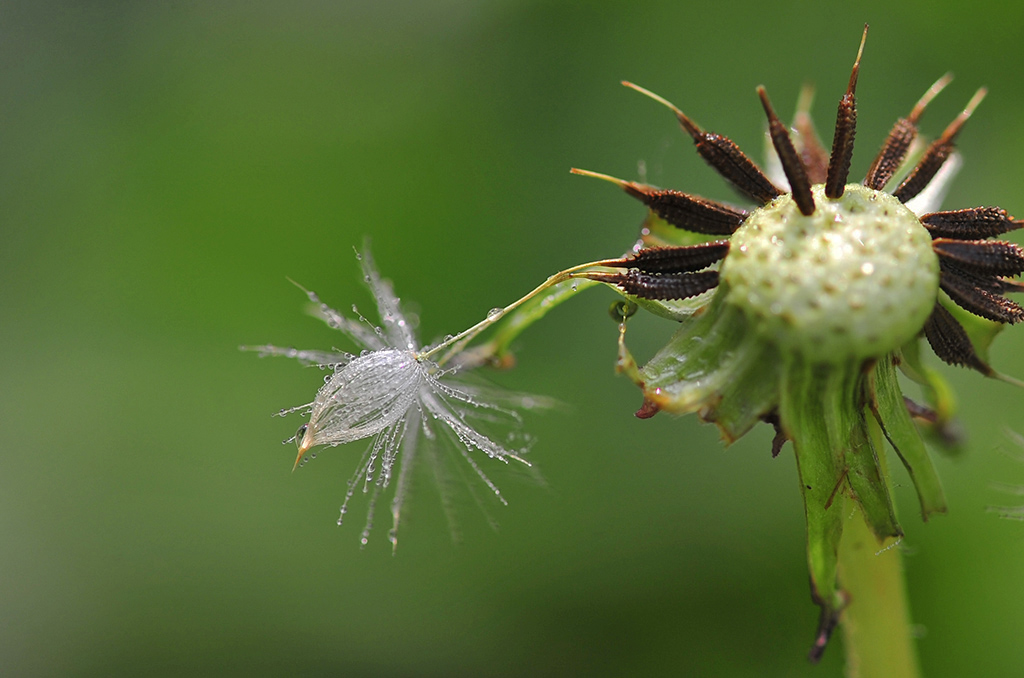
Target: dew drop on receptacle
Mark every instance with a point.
(574, 286)
(494, 314)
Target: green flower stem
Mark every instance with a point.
(532, 311)
(514, 319)
(876, 622)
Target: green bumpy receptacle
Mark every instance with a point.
(855, 279)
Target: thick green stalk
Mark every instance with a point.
(876, 623)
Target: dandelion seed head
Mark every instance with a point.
(400, 400)
(824, 288)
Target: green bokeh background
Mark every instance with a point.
(165, 166)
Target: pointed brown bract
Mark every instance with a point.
(937, 154)
(846, 130)
(792, 164)
(723, 155)
(970, 224)
(689, 212)
(982, 256)
(813, 154)
(950, 342)
(675, 259)
(658, 286)
(980, 295)
(902, 135)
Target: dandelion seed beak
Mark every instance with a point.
(597, 175)
(692, 128)
(932, 92)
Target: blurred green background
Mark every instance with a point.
(165, 166)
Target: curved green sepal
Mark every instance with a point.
(823, 411)
(845, 399)
(750, 394)
(821, 472)
(715, 366)
(890, 410)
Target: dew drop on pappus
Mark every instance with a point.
(494, 314)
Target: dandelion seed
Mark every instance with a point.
(395, 395)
